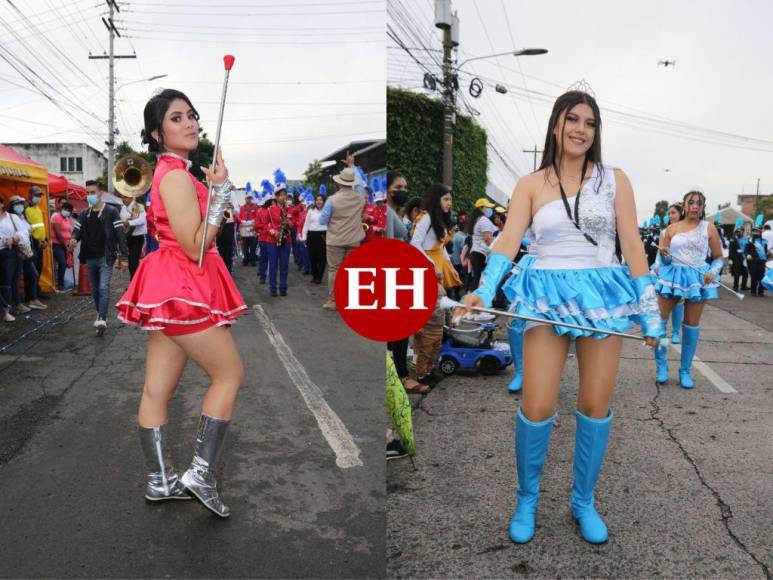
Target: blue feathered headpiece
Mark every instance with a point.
(323, 190)
(666, 219)
(280, 181)
(758, 220)
(267, 186)
(248, 187)
(656, 220)
(739, 223)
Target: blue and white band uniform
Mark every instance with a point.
(681, 274)
(574, 281)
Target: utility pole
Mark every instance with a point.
(448, 22)
(113, 32)
(535, 151)
(757, 199)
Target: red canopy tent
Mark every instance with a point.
(59, 187)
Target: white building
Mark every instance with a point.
(78, 162)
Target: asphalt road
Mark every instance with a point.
(686, 488)
(71, 469)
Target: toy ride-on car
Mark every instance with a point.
(473, 348)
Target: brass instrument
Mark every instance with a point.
(284, 226)
(132, 176)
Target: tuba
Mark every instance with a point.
(132, 176)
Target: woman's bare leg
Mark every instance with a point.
(544, 356)
(165, 364)
(598, 361)
(693, 312)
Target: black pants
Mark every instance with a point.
(757, 273)
(60, 258)
(740, 272)
(399, 350)
(478, 265)
(135, 244)
(317, 254)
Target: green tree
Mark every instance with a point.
(313, 176)
(415, 147)
(764, 207)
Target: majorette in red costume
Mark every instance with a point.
(169, 292)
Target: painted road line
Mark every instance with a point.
(333, 429)
(707, 372)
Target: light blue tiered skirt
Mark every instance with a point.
(677, 281)
(602, 298)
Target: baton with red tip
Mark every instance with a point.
(228, 61)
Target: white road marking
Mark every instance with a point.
(333, 429)
(721, 384)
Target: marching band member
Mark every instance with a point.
(756, 251)
(247, 216)
(279, 228)
(265, 239)
(684, 274)
(187, 311)
(135, 223)
(576, 278)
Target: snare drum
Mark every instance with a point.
(246, 231)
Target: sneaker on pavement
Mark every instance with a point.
(395, 450)
(23, 309)
(101, 326)
(329, 305)
(8, 317)
(37, 305)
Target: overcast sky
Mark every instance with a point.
(309, 76)
(722, 82)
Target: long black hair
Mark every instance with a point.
(552, 155)
(441, 222)
(687, 196)
(391, 176)
(469, 226)
(155, 109)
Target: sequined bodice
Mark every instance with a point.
(561, 245)
(691, 247)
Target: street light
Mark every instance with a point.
(153, 78)
(522, 52)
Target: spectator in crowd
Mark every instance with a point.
(342, 214)
(426, 342)
(756, 253)
(61, 233)
(11, 234)
(410, 214)
(457, 243)
(397, 195)
(482, 230)
(100, 233)
(26, 263)
(432, 230)
(135, 225)
(33, 213)
(314, 235)
(738, 261)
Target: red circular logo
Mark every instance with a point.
(386, 290)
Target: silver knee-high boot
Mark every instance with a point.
(201, 477)
(163, 482)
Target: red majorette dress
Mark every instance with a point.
(169, 292)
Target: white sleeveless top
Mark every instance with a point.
(691, 247)
(560, 245)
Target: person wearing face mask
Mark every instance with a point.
(100, 232)
(10, 237)
(34, 215)
(756, 251)
(397, 195)
(482, 230)
(26, 264)
(61, 228)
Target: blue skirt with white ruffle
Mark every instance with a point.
(767, 281)
(602, 298)
(677, 281)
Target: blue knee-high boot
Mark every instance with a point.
(690, 335)
(661, 363)
(590, 444)
(677, 315)
(531, 447)
(515, 338)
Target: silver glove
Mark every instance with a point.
(221, 197)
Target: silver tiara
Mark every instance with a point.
(582, 86)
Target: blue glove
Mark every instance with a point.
(649, 319)
(498, 265)
(716, 267)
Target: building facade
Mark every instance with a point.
(78, 162)
(748, 203)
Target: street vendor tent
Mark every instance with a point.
(60, 187)
(17, 174)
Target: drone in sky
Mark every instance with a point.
(667, 63)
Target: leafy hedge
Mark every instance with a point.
(415, 147)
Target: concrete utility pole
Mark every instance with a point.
(113, 32)
(449, 24)
(535, 151)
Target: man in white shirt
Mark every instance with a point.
(135, 223)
